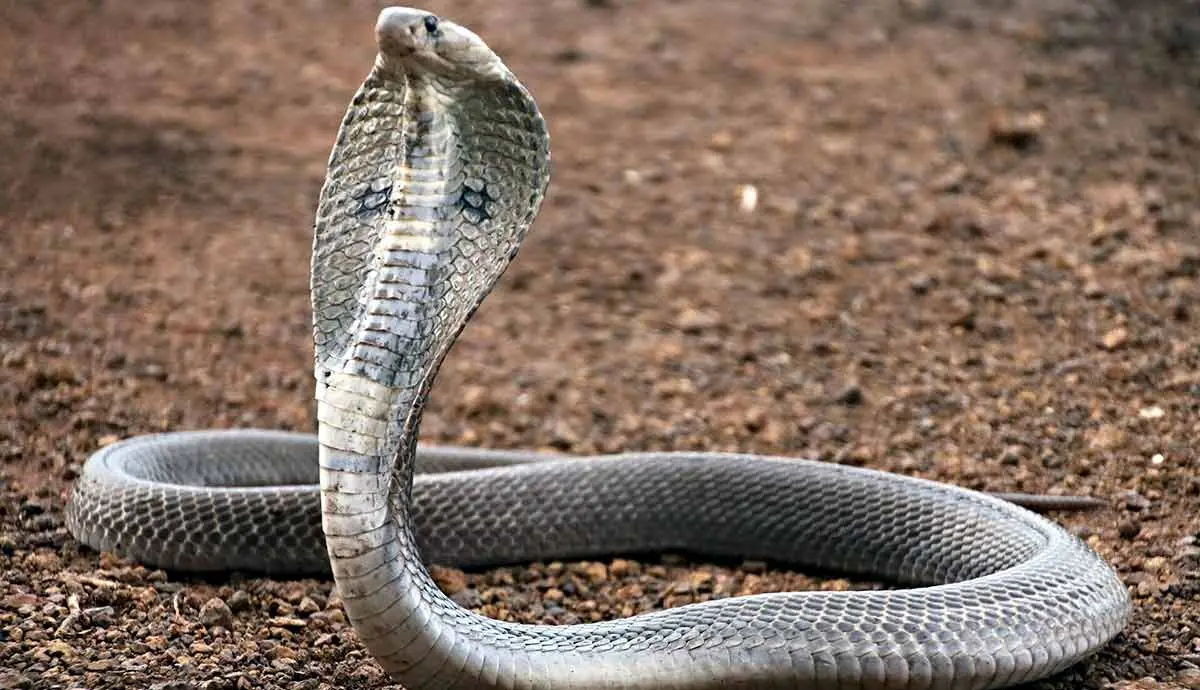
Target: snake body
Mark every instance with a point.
(438, 170)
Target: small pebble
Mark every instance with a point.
(1114, 339)
(1017, 130)
(1134, 501)
(747, 198)
(240, 601)
(851, 395)
(1155, 565)
(216, 612)
(1129, 529)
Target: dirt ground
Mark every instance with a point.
(971, 252)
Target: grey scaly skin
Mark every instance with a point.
(169, 500)
(438, 170)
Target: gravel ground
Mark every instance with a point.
(954, 240)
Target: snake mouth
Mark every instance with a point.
(400, 31)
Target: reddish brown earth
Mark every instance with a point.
(974, 257)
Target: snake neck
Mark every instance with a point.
(432, 184)
(381, 219)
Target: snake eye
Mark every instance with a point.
(431, 23)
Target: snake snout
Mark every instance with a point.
(399, 31)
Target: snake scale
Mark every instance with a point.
(437, 172)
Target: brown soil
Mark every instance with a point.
(974, 257)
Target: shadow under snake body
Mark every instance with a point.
(439, 168)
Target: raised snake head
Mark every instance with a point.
(409, 38)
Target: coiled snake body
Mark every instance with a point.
(438, 170)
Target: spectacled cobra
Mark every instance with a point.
(438, 170)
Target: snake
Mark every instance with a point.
(438, 170)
